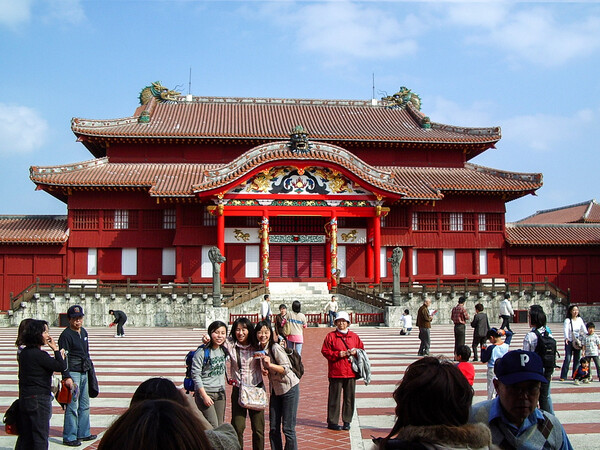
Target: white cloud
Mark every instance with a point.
(445, 111)
(65, 11)
(14, 12)
(343, 31)
(545, 133)
(534, 34)
(22, 129)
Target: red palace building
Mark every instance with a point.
(290, 190)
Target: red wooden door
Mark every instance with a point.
(296, 261)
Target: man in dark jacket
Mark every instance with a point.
(481, 325)
(74, 339)
(424, 323)
(120, 319)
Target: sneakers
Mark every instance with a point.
(576, 382)
(586, 380)
(91, 437)
(119, 335)
(75, 443)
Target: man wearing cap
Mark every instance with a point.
(513, 416)
(338, 346)
(74, 339)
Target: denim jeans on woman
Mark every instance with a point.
(569, 352)
(34, 422)
(77, 414)
(282, 411)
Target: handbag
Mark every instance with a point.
(576, 343)
(56, 379)
(251, 397)
(65, 395)
(10, 418)
(287, 328)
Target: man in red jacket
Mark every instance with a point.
(338, 346)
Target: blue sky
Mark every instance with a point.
(530, 67)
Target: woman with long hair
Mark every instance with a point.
(208, 373)
(35, 378)
(433, 401)
(573, 329)
(243, 366)
(285, 389)
(297, 321)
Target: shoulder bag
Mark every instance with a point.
(576, 343)
(10, 418)
(251, 397)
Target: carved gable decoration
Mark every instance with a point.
(299, 140)
(290, 180)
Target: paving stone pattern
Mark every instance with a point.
(122, 364)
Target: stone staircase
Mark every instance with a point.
(313, 296)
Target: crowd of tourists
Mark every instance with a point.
(433, 400)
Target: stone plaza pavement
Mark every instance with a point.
(122, 364)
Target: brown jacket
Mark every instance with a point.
(423, 317)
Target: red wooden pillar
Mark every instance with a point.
(264, 247)
(221, 237)
(370, 258)
(333, 250)
(377, 248)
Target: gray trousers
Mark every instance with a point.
(425, 339)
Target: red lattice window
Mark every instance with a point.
(85, 219)
(152, 219)
(468, 222)
(169, 219)
(452, 222)
(493, 222)
(120, 219)
(396, 218)
(424, 221)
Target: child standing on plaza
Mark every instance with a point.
(462, 355)
(592, 343)
(582, 373)
(497, 349)
(406, 323)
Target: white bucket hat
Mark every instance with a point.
(342, 315)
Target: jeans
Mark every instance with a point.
(77, 414)
(238, 420)
(545, 399)
(332, 316)
(459, 335)
(283, 410)
(425, 339)
(120, 331)
(34, 422)
(336, 387)
(215, 414)
(295, 346)
(505, 323)
(569, 352)
(596, 360)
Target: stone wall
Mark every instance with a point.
(196, 311)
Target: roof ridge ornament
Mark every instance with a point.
(299, 141)
(159, 92)
(402, 98)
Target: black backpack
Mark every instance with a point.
(546, 348)
(295, 361)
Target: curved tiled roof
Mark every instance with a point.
(189, 180)
(552, 234)
(273, 119)
(585, 212)
(33, 229)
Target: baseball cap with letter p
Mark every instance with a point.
(519, 365)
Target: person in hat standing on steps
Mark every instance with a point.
(338, 346)
(74, 339)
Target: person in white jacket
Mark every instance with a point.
(506, 312)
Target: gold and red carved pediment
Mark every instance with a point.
(265, 162)
(299, 181)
